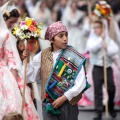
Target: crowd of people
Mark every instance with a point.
(64, 22)
(58, 10)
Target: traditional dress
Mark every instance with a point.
(11, 89)
(10, 94)
(42, 66)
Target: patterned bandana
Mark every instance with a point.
(54, 29)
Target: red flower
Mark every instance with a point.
(34, 23)
(32, 28)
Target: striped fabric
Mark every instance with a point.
(75, 60)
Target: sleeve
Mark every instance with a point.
(33, 69)
(79, 85)
(94, 45)
(9, 52)
(112, 48)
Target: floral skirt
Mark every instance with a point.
(11, 96)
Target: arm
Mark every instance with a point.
(79, 85)
(15, 73)
(112, 48)
(33, 68)
(94, 45)
(10, 55)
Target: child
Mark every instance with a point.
(96, 45)
(13, 116)
(62, 70)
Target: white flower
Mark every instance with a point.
(24, 27)
(22, 36)
(108, 6)
(27, 18)
(102, 2)
(34, 34)
(97, 12)
(18, 32)
(28, 35)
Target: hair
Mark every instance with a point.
(13, 116)
(52, 44)
(98, 22)
(13, 13)
(74, 1)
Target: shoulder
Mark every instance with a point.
(74, 51)
(45, 51)
(37, 57)
(4, 34)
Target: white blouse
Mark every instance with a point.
(33, 72)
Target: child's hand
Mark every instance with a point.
(103, 35)
(26, 53)
(104, 45)
(58, 102)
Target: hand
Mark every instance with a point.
(26, 53)
(58, 102)
(104, 45)
(103, 35)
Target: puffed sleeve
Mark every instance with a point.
(9, 54)
(33, 69)
(112, 48)
(94, 45)
(79, 85)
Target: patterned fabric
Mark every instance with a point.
(56, 86)
(45, 69)
(10, 88)
(54, 29)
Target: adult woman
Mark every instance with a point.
(13, 87)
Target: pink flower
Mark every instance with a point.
(23, 23)
(34, 23)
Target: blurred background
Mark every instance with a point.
(73, 14)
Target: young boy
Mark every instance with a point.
(95, 45)
(62, 71)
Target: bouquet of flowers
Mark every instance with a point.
(102, 9)
(28, 29)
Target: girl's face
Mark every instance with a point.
(60, 41)
(11, 21)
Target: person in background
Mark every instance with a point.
(61, 8)
(95, 45)
(13, 116)
(42, 15)
(73, 19)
